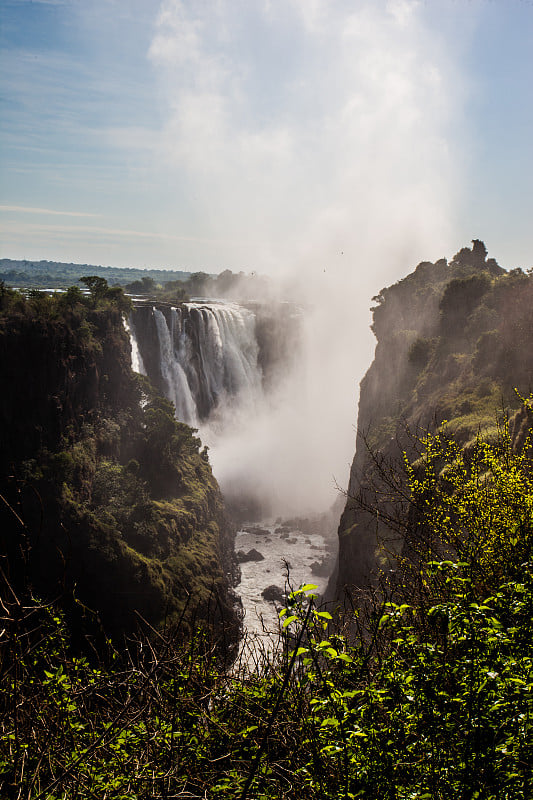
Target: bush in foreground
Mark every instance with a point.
(431, 698)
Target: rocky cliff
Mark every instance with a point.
(107, 501)
(454, 343)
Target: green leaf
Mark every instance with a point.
(288, 621)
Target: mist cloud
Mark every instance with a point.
(321, 132)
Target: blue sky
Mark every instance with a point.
(268, 135)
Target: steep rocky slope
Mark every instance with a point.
(107, 501)
(454, 343)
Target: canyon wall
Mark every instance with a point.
(454, 343)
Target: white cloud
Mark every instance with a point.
(50, 211)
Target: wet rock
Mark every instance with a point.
(273, 594)
(283, 529)
(284, 535)
(320, 568)
(251, 555)
(292, 540)
(257, 530)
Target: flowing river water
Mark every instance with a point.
(290, 558)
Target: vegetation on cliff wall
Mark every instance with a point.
(454, 341)
(107, 501)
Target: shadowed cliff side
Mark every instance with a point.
(454, 341)
(107, 501)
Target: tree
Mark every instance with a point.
(144, 286)
(100, 291)
(98, 287)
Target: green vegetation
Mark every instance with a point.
(419, 688)
(55, 274)
(107, 499)
(428, 694)
(173, 286)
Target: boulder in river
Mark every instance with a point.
(273, 594)
(320, 568)
(251, 555)
(257, 530)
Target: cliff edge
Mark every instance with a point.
(108, 502)
(454, 348)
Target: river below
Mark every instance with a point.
(275, 559)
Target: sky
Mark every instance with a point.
(266, 135)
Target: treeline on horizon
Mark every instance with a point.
(167, 285)
(56, 274)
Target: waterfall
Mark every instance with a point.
(137, 364)
(202, 356)
(174, 377)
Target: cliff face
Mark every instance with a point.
(107, 501)
(58, 372)
(454, 341)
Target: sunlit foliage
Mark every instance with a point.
(429, 696)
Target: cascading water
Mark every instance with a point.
(136, 360)
(172, 372)
(203, 356)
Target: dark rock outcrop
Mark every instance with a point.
(273, 594)
(251, 555)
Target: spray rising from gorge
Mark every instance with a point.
(224, 365)
(333, 199)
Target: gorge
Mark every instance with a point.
(220, 363)
(452, 344)
(118, 561)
